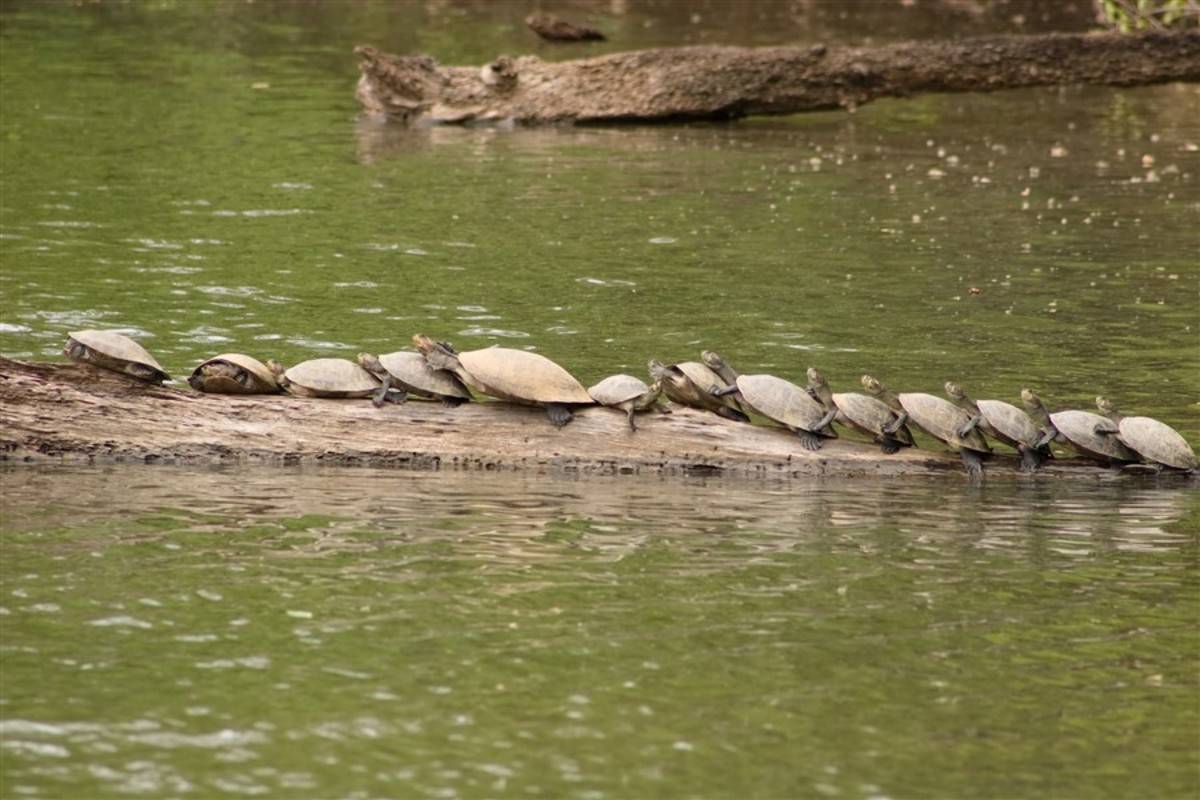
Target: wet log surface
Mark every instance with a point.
(75, 413)
(728, 82)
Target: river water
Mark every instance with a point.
(197, 174)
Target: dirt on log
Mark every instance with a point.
(688, 83)
(75, 413)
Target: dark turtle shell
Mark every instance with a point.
(942, 420)
(1078, 428)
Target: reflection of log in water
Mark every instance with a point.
(729, 82)
(76, 413)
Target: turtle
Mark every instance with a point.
(862, 413)
(517, 376)
(779, 400)
(1156, 442)
(233, 373)
(1078, 429)
(690, 383)
(626, 393)
(405, 373)
(938, 417)
(325, 377)
(114, 351)
(1004, 422)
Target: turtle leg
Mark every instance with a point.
(559, 414)
(732, 413)
(632, 426)
(1099, 431)
(396, 396)
(809, 440)
(826, 420)
(1030, 459)
(453, 402)
(897, 423)
(973, 462)
(380, 396)
(1048, 436)
(721, 391)
(970, 425)
(141, 372)
(889, 445)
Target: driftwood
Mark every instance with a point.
(556, 29)
(729, 82)
(72, 412)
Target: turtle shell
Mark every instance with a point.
(1079, 429)
(1008, 423)
(410, 368)
(617, 389)
(332, 377)
(942, 420)
(522, 376)
(119, 348)
(867, 414)
(1157, 442)
(263, 377)
(784, 402)
(706, 380)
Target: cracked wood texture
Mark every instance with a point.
(75, 413)
(729, 82)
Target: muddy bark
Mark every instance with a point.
(74, 413)
(727, 82)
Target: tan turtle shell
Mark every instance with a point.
(1008, 423)
(867, 415)
(618, 389)
(1078, 428)
(330, 377)
(784, 402)
(1157, 442)
(521, 376)
(262, 374)
(410, 369)
(118, 347)
(942, 419)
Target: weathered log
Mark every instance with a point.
(728, 82)
(72, 412)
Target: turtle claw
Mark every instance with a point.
(889, 446)
(809, 441)
(559, 415)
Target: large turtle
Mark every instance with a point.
(517, 376)
(690, 383)
(626, 393)
(864, 414)
(325, 377)
(1156, 442)
(233, 373)
(405, 373)
(779, 400)
(1078, 429)
(114, 351)
(1004, 422)
(939, 418)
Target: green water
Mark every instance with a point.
(360, 634)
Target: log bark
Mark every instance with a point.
(75, 413)
(689, 83)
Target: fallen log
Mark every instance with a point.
(689, 83)
(74, 413)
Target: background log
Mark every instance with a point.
(70, 412)
(728, 82)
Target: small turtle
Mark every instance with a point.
(1156, 442)
(517, 376)
(690, 383)
(405, 373)
(939, 418)
(325, 377)
(233, 373)
(116, 352)
(1004, 422)
(778, 400)
(1078, 429)
(627, 393)
(864, 414)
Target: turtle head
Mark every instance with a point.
(658, 371)
(815, 378)
(954, 391)
(438, 355)
(196, 380)
(369, 362)
(1107, 407)
(872, 386)
(712, 360)
(1031, 401)
(277, 369)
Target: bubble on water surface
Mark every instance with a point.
(289, 185)
(121, 621)
(249, 662)
(663, 240)
(493, 332)
(7, 327)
